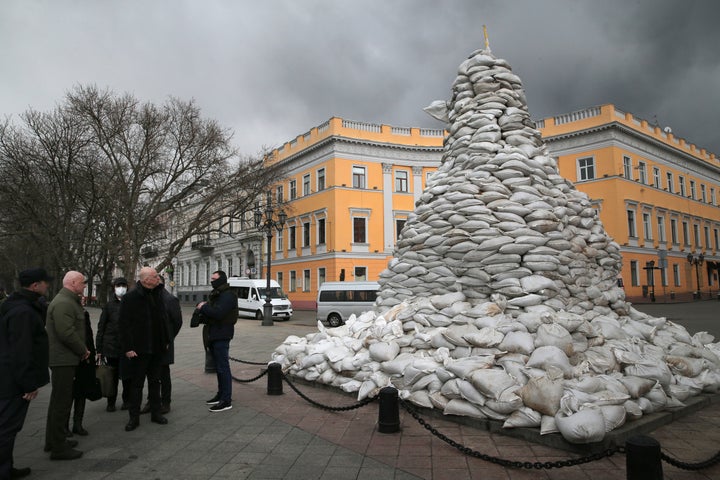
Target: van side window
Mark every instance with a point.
(243, 292)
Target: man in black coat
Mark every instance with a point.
(145, 335)
(24, 360)
(220, 315)
(107, 342)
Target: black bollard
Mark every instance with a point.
(389, 411)
(642, 458)
(274, 385)
(209, 362)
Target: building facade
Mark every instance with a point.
(350, 186)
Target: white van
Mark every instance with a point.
(251, 298)
(338, 300)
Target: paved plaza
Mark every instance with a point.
(285, 437)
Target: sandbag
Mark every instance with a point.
(542, 394)
(585, 426)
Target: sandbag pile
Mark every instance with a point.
(501, 300)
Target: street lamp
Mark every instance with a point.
(267, 225)
(697, 261)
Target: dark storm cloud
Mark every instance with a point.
(271, 70)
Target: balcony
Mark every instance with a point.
(204, 245)
(149, 251)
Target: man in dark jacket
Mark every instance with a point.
(220, 314)
(145, 335)
(107, 342)
(23, 361)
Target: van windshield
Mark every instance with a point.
(275, 292)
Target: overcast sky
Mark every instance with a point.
(270, 70)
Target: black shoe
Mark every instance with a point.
(67, 454)
(132, 424)
(159, 419)
(78, 429)
(67, 432)
(214, 400)
(145, 409)
(165, 408)
(110, 407)
(68, 443)
(221, 407)
(19, 472)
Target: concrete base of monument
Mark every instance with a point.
(617, 437)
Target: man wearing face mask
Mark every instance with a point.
(107, 342)
(220, 314)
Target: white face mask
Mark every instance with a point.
(120, 291)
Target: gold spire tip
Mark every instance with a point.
(487, 41)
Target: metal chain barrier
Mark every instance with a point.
(510, 463)
(361, 403)
(691, 466)
(249, 380)
(246, 362)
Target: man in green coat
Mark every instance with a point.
(66, 335)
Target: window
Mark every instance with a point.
(656, 177)
(681, 181)
(696, 236)
(321, 179)
(642, 168)
(634, 273)
(686, 233)
(647, 227)
(291, 237)
(306, 185)
(279, 194)
(358, 177)
(279, 241)
(399, 224)
(401, 181)
(306, 234)
(676, 274)
(674, 231)
(321, 276)
(280, 279)
(229, 268)
(293, 281)
(670, 183)
(586, 168)
(359, 230)
(713, 200)
(631, 223)
(663, 277)
(321, 231)
(306, 280)
(627, 168)
(716, 239)
(293, 190)
(703, 194)
(661, 229)
(692, 190)
(706, 230)
(360, 274)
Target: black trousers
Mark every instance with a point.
(165, 385)
(61, 399)
(144, 365)
(12, 417)
(115, 362)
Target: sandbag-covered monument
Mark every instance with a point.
(501, 300)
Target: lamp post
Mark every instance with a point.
(265, 222)
(697, 261)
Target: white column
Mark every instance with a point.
(388, 229)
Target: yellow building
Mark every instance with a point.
(351, 186)
(656, 195)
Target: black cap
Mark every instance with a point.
(119, 281)
(32, 275)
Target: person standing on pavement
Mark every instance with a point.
(174, 312)
(66, 334)
(23, 361)
(145, 336)
(84, 374)
(107, 342)
(220, 315)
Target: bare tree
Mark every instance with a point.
(104, 175)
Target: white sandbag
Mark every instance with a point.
(548, 425)
(484, 337)
(651, 370)
(685, 366)
(398, 364)
(657, 397)
(508, 402)
(542, 394)
(585, 426)
(555, 335)
(464, 367)
(470, 393)
(464, 408)
(439, 400)
(550, 356)
(491, 382)
(421, 398)
(351, 386)
(524, 417)
(614, 416)
(637, 386)
(518, 342)
(601, 359)
(632, 410)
